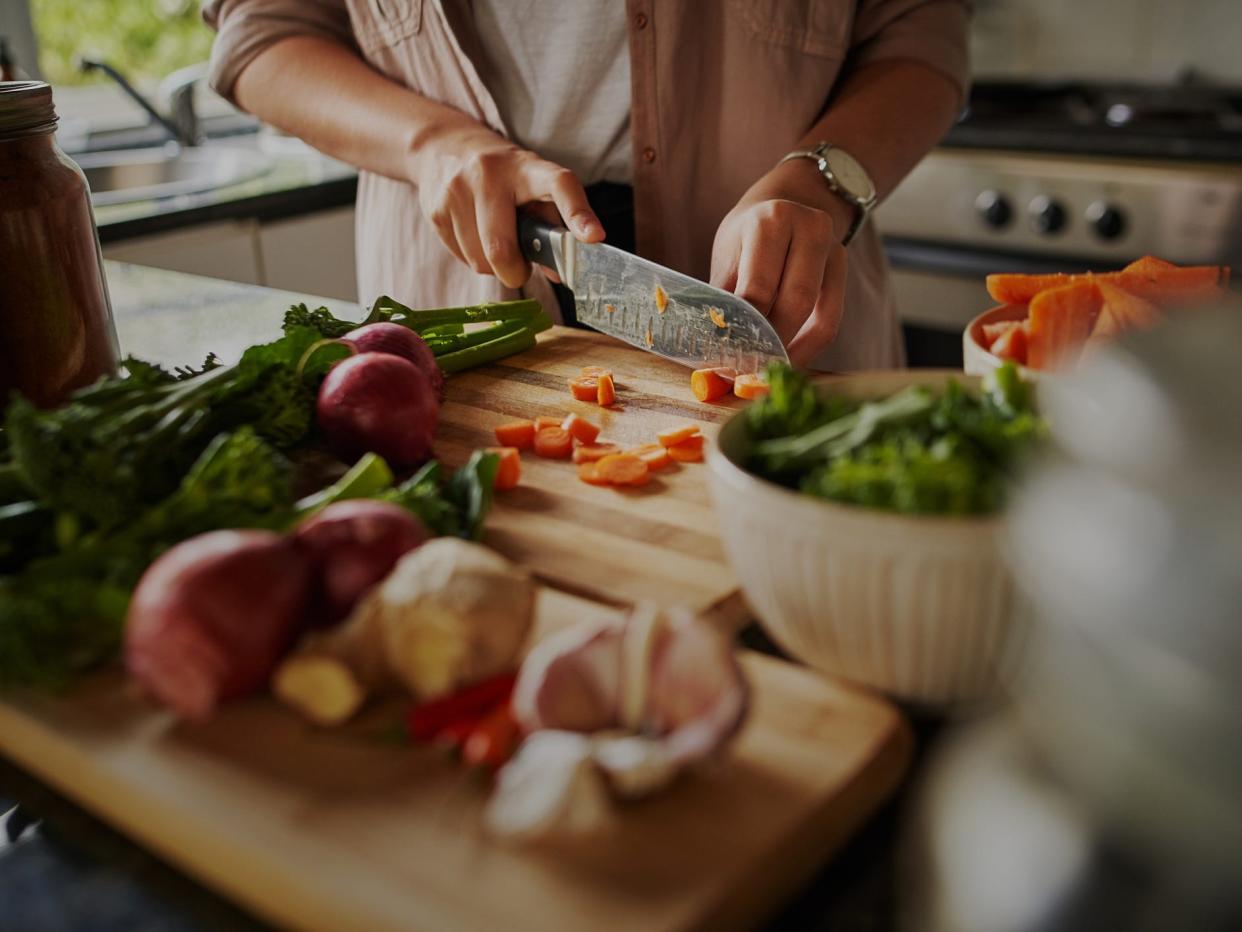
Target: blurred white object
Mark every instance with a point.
(920, 607)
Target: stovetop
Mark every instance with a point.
(1184, 120)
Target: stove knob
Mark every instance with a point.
(1047, 215)
(994, 208)
(1107, 221)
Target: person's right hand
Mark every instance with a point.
(471, 183)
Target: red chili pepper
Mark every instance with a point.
(493, 740)
(424, 722)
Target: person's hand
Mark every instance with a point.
(470, 184)
(780, 249)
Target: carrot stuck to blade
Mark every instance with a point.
(510, 472)
(710, 384)
(593, 452)
(578, 427)
(520, 434)
(554, 443)
(606, 391)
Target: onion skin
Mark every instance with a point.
(378, 403)
(351, 546)
(395, 340)
(210, 618)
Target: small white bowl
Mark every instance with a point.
(918, 607)
(977, 359)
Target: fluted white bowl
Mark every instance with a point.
(922, 608)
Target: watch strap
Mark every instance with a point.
(862, 206)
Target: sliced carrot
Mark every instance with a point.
(580, 428)
(676, 434)
(544, 421)
(510, 472)
(606, 392)
(654, 455)
(661, 299)
(592, 452)
(1019, 289)
(993, 332)
(717, 317)
(623, 469)
(1149, 278)
(1061, 320)
(584, 388)
(710, 384)
(594, 372)
(689, 450)
(750, 386)
(1011, 344)
(520, 434)
(589, 473)
(1129, 310)
(554, 443)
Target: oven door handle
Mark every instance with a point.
(971, 262)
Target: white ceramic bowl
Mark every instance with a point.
(918, 607)
(977, 359)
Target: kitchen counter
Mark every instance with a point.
(73, 872)
(300, 181)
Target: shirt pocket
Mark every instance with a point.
(381, 24)
(817, 27)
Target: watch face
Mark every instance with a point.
(850, 175)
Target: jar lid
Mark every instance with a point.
(26, 109)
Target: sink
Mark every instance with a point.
(145, 174)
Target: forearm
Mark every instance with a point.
(322, 92)
(887, 115)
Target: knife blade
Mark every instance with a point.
(652, 307)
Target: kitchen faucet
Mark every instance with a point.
(182, 124)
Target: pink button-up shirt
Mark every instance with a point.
(721, 89)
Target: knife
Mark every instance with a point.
(651, 307)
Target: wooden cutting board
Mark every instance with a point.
(330, 830)
(657, 542)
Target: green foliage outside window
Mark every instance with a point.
(145, 39)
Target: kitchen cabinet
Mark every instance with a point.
(312, 254)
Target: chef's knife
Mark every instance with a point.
(652, 307)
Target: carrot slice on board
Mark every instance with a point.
(623, 469)
(592, 452)
(606, 392)
(1128, 310)
(510, 472)
(589, 473)
(584, 388)
(520, 434)
(689, 450)
(750, 386)
(594, 372)
(710, 384)
(654, 455)
(554, 443)
(544, 421)
(676, 434)
(580, 428)
(1011, 344)
(1061, 321)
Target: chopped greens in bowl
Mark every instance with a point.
(918, 451)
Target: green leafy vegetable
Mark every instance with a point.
(913, 452)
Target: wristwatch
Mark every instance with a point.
(846, 178)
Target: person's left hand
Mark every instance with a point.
(780, 249)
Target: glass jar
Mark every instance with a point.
(56, 328)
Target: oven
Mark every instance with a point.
(1060, 178)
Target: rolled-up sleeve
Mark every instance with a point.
(934, 32)
(246, 27)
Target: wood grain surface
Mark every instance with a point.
(657, 542)
(330, 830)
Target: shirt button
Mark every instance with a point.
(649, 155)
(640, 21)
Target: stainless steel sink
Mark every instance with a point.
(145, 174)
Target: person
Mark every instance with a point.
(674, 116)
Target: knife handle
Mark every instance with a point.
(539, 241)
